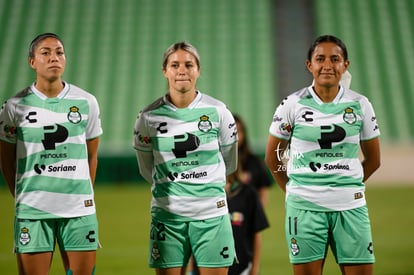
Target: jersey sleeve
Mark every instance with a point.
(228, 140)
(142, 144)
(142, 140)
(94, 128)
(8, 127)
(370, 127)
(282, 123)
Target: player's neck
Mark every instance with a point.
(50, 89)
(182, 99)
(326, 94)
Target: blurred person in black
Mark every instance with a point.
(248, 219)
(255, 172)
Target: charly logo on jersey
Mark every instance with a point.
(224, 252)
(91, 236)
(24, 238)
(234, 133)
(349, 116)
(307, 116)
(31, 117)
(204, 125)
(370, 248)
(374, 118)
(74, 115)
(162, 127)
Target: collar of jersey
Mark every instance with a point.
(320, 102)
(191, 106)
(44, 97)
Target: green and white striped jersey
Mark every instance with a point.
(186, 153)
(52, 174)
(324, 169)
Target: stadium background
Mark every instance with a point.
(252, 55)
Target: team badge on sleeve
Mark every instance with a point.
(143, 139)
(10, 131)
(285, 128)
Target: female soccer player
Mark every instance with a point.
(186, 144)
(49, 136)
(322, 127)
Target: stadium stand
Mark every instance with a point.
(114, 51)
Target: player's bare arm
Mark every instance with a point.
(274, 160)
(8, 164)
(372, 159)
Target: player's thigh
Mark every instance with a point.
(213, 271)
(307, 235)
(79, 262)
(357, 269)
(34, 263)
(314, 267)
(170, 271)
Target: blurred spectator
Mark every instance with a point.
(256, 173)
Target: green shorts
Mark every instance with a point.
(72, 234)
(209, 241)
(348, 233)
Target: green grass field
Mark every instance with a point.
(123, 212)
